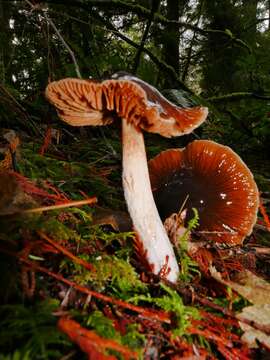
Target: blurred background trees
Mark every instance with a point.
(196, 51)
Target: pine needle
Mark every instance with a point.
(88, 201)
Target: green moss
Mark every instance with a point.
(70, 176)
(105, 328)
(117, 275)
(32, 329)
(171, 301)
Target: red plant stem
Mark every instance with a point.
(46, 142)
(232, 354)
(66, 252)
(77, 333)
(61, 194)
(152, 314)
(30, 188)
(210, 336)
(219, 320)
(264, 214)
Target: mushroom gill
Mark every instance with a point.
(215, 181)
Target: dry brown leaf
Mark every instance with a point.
(257, 291)
(118, 220)
(174, 226)
(12, 197)
(251, 287)
(251, 336)
(259, 317)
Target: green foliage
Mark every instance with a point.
(102, 325)
(133, 338)
(122, 240)
(188, 268)
(32, 330)
(72, 176)
(116, 274)
(105, 328)
(56, 229)
(192, 224)
(17, 355)
(171, 302)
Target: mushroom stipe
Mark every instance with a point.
(141, 107)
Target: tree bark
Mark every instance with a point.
(3, 32)
(268, 14)
(171, 37)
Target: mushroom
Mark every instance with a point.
(211, 178)
(141, 107)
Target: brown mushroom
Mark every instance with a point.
(215, 181)
(87, 102)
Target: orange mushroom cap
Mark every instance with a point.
(88, 102)
(218, 184)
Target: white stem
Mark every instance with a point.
(141, 205)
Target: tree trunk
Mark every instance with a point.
(171, 37)
(250, 11)
(2, 42)
(268, 14)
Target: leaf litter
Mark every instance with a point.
(76, 259)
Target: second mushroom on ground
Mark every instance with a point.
(213, 179)
(141, 107)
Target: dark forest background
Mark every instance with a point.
(211, 52)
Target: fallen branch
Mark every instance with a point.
(155, 6)
(67, 253)
(152, 314)
(68, 48)
(90, 342)
(236, 96)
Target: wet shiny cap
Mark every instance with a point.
(89, 102)
(215, 181)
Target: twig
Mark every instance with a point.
(88, 340)
(265, 216)
(65, 44)
(23, 110)
(187, 292)
(152, 314)
(189, 52)
(70, 51)
(67, 253)
(142, 11)
(155, 6)
(161, 64)
(237, 95)
(89, 201)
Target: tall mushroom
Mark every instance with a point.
(215, 181)
(140, 106)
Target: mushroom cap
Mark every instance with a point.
(88, 102)
(218, 184)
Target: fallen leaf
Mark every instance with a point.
(259, 318)
(251, 335)
(118, 220)
(12, 197)
(251, 287)
(174, 226)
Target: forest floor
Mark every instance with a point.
(74, 287)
